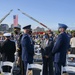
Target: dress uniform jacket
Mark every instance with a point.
(8, 49)
(27, 49)
(19, 46)
(60, 48)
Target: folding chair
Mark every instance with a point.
(37, 53)
(34, 66)
(70, 66)
(68, 69)
(36, 46)
(7, 63)
(69, 62)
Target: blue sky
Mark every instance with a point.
(49, 12)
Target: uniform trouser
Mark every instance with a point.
(47, 66)
(24, 67)
(57, 69)
(21, 67)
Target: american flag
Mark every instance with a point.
(15, 19)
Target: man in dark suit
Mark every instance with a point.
(60, 49)
(27, 48)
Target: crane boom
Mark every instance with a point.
(5, 16)
(33, 19)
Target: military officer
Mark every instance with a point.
(60, 49)
(27, 48)
(16, 33)
(8, 50)
(19, 50)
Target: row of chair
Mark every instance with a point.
(8, 63)
(69, 68)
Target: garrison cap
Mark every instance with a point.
(27, 27)
(62, 26)
(7, 34)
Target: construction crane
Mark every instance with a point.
(33, 19)
(5, 16)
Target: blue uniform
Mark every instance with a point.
(59, 51)
(27, 50)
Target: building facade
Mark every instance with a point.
(4, 27)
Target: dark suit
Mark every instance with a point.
(48, 62)
(27, 51)
(8, 49)
(59, 51)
